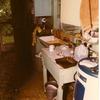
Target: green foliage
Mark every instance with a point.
(7, 39)
(5, 9)
(6, 29)
(6, 32)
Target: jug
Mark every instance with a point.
(81, 52)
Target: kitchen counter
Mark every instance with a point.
(45, 41)
(60, 74)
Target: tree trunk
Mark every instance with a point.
(22, 19)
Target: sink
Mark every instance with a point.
(47, 38)
(51, 40)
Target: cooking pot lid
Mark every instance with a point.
(88, 63)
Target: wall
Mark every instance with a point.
(70, 12)
(42, 7)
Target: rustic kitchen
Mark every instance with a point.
(65, 41)
(70, 53)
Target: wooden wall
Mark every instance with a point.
(86, 10)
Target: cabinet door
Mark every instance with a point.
(89, 14)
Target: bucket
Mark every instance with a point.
(51, 90)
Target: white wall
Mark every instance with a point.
(42, 7)
(70, 12)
